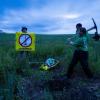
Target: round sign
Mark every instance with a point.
(25, 40)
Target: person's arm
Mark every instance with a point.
(71, 39)
(78, 42)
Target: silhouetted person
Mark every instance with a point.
(80, 53)
(23, 54)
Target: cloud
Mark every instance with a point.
(52, 17)
(39, 21)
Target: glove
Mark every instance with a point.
(72, 43)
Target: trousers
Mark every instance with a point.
(82, 57)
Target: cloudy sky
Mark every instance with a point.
(48, 16)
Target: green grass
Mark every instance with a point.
(46, 46)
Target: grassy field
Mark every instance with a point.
(13, 70)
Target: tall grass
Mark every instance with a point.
(46, 46)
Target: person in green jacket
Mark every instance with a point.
(80, 53)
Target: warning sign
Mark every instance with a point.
(25, 42)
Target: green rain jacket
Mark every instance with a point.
(81, 42)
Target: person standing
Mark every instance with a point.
(81, 52)
(22, 54)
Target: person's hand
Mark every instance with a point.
(71, 42)
(69, 39)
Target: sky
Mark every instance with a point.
(48, 16)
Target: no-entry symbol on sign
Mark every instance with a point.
(25, 40)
